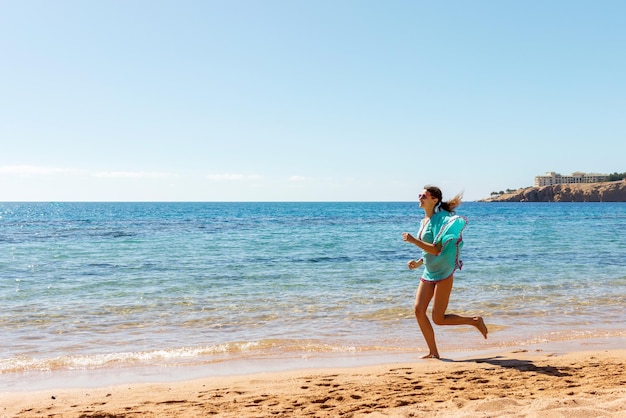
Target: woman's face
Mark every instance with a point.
(427, 200)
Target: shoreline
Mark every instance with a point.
(590, 375)
(35, 380)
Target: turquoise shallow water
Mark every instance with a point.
(96, 285)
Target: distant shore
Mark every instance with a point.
(613, 191)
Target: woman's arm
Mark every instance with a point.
(429, 248)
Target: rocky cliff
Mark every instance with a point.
(614, 191)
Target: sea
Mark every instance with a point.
(149, 290)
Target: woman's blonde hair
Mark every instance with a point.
(449, 205)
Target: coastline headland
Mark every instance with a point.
(613, 191)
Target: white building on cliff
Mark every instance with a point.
(578, 177)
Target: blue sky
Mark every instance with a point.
(305, 100)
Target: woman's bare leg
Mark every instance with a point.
(423, 297)
(440, 305)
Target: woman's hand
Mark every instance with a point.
(408, 237)
(415, 264)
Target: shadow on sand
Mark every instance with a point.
(521, 365)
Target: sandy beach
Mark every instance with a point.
(515, 383)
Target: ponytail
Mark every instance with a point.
(451, 204)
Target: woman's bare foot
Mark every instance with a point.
(431, 355)
(480, 324)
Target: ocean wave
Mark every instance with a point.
(176, 356)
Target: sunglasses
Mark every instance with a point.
(423, 196)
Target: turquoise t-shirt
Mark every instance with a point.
(445, 228)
